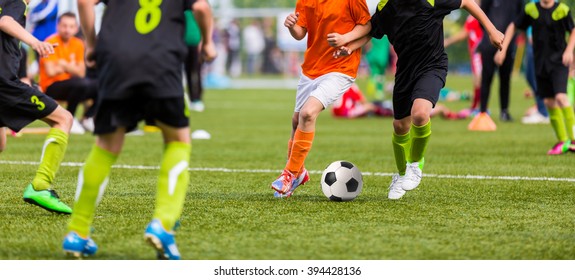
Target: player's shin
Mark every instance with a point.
(92, 181)
(569, 121)
(52, 154)
(558, 123)
(419, 139)
(172, 183)
(401, 147)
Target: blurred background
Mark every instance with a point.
(253, 43)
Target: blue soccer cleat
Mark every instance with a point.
(162, 240)
(300, 180)
(78, 247)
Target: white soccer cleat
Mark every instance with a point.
(88, 124)
(412, 176)
(395, 189)
(77, 128)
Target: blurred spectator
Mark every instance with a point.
(352, 104)
(254, 44)
(62, 75)
(378, 56)
(269, 65)
(233, 45)
(44, 17)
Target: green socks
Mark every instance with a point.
(52, 154)
(420, 137)
(569, 117)
(172, 183)
(401, 147)
(558, 123)
(92, 181)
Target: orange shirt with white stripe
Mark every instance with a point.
(321, 17)
(72, 51)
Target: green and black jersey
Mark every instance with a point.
(415, 29)
(10, 46)
(141, 44)
(550, 28)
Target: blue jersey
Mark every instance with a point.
(44, 17)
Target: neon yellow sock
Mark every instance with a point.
(401, 146)
(172, 183)
(419, 139)
(92, 181)
(569, 117)
(571, 90)
(52, 155)
(558, 123)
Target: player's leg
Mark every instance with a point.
(563, 102)
(557, 121)
(112, 121)
(400, 140)
(328, 88)
(556, 118)
(173, 183)
(559, 79)
(40, 106)
(301, 145)
(2, 139)
(194, 79)
(92, 182)
(505, 71)
(305, 87)
(425, 95)
(303, 176)
(476, 68)
(173, 180)
(487, 71)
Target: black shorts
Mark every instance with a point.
(127, 113)
(21, 104)
(552, 82)
(426, 87)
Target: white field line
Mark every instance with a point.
(380, 174)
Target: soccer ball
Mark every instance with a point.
(341, 181)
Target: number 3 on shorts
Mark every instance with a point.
(148, 16)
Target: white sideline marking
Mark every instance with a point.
(379, 174)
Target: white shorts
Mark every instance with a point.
(326, 88)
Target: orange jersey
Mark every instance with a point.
(71, 51)
(321, 17)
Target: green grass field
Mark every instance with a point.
(508, 211)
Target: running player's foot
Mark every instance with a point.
(412, 176)
(572, 147)
(162, 240)
(77, 247)
(505, 116)
(197, 106)
(300, 180)
(47, 199)
(396, 190)
(560, 148)
(284, 183)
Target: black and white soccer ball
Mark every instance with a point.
(341, 181)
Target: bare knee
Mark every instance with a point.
(419, 118)
(61, 119)
(308, 116)
(401, 127)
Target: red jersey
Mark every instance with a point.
(473, 28)
(348, 103)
